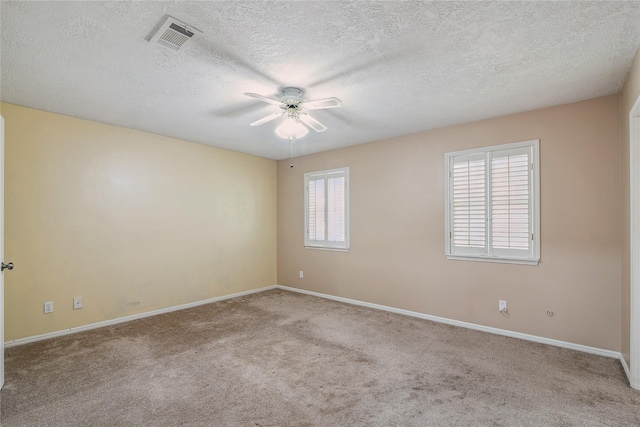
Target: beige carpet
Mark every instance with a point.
(284, 359)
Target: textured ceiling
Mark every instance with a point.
(398, 67)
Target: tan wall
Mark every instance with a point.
(630, 93)
(130, 221)
(397, 228)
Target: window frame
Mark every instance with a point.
(487, 254)
(326, 244)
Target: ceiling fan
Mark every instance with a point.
(295, 108)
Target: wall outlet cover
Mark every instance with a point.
(48, 307)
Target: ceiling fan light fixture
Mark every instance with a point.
(297, 121)
(291, 128)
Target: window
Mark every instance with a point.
(326, 209)
(492, 204)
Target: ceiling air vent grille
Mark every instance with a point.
(174, 34)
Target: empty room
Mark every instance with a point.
(319, 213)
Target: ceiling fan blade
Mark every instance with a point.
(264, 99)
(320, 104)
(267, 119)
(312, 123)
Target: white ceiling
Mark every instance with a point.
(398, 67)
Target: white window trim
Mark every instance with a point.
(341, 247)
(535, 220)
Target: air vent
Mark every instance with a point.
(174, 34)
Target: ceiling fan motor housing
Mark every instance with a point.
(291, 97)
(292, 93)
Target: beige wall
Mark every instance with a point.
(630, 93)
(130, 221)
(397, 227)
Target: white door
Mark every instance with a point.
(2, 251)
(634, 172)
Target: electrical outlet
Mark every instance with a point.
(48, 307)
(301, 274)
(77, 303)
(502, 306)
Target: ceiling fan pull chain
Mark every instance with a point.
(291, 152)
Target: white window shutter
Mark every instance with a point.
(336, 204)
(468, 205)
(327, 209)
(316, 220)
(493, 203)
(511, 203)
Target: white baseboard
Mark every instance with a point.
(102, 324)
(626, 368)
(527, 337)
(504, 332)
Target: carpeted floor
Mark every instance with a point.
(285, 359)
